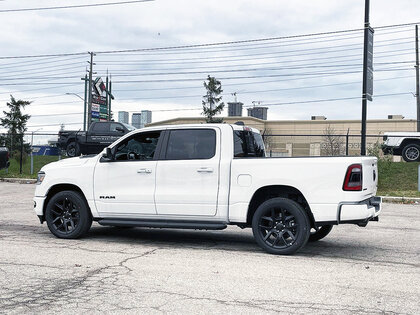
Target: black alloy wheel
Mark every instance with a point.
(67, 215)
(411, 153)
(72, 149)
(322, 231)
(281, 226)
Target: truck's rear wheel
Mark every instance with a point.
(67, 215)
(411, 152)
(321, 233)
(280, 226)
(72, 149)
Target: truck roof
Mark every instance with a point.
(219, 125)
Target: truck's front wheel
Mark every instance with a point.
(280, 226)
(67, 215)
(72, 149)
(411, 153)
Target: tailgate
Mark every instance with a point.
(370, 175)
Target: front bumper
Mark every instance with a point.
(39, 207)
(361, 212)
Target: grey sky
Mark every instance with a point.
(276, 72)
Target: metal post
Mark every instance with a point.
(21, 155)
(85, 104)
(364, 88)
(90, 91)
(110, 98)
(347, 141)
(417, 78)
(32, 156)
(107, 98)
(418, 175)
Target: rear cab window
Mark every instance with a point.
(191, 144)
(247, 144)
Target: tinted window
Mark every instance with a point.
(191, 144)
(101, 127)
(139, 147)
(115, 126)
(248, 144)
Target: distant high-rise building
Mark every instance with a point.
(258, 112)
(235, 109)
(146, 117)
(123, 117)
(136, 120)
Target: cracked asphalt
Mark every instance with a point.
(353, 270)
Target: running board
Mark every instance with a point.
(172, 224)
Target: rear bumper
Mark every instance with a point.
(361, 212)
(391, 150)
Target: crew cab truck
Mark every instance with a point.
(207, 176)
(405, 144)
(93, 141)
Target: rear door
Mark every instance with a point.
(187, 175)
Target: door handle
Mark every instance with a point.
(205, 170)
(144, 171)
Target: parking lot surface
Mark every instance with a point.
(353, 270)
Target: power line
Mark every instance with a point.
(73, 6)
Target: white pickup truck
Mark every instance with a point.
(207, 176)
(405, 144)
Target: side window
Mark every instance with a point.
(139, 147)
(101, 127)
(247, 144)
(114, 127)
(191, 144)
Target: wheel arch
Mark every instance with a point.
(62, 187)
(273, 191)
(408, 141)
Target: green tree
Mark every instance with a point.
(15, 123)
(211, 101)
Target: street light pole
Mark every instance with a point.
(84, 105)
(364, 88)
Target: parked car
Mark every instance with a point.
(4, 158)
(207, 176)
(93, 141)
(405, 144)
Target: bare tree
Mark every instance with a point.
(268, 139)
(332, 144)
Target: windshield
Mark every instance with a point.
(129, 127)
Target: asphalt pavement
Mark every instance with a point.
(123, 271)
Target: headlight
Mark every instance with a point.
(40, 178)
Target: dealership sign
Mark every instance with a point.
(99, 107)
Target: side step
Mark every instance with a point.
(172, 224)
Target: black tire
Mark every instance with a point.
(68, 215)
(72, 149)
(411, 153)
(321, 233)
(281, 226)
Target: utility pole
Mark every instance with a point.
(90, 90)
(417, 78)
(367, 89)
(85, 102)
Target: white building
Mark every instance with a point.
(123, 117)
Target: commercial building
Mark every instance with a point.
(123, 117)
(235, 109)
(310, 137)
(146, 117)
(136, 120)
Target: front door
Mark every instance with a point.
(125, 187)
(187, 179)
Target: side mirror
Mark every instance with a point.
(119, 129)
(107, 156)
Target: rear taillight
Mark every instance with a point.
(353, 180)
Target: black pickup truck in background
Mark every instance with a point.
(4, 158)
(93, 141)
